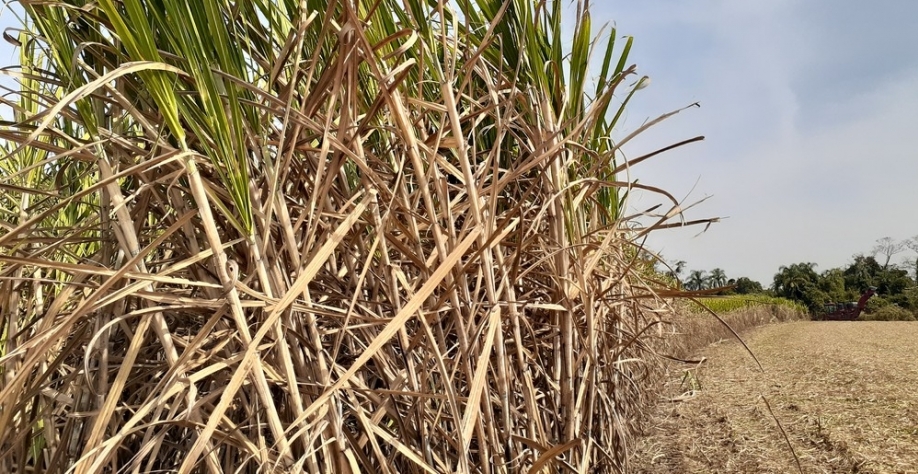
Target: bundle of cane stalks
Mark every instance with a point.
(320, 236)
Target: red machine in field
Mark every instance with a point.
(847, 311)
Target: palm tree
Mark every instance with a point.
(717, 278)
(799, 282)
(696, 280)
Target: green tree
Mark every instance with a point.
(893, 281)
(800, 282)
(832, 282)
(865, 272)
(746, 286)
(696, 280)
(862, 273)
(790, 280)
(908, 299)
(717, 278)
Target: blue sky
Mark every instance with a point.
(810, 113)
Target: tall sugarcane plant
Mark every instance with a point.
(317, 236)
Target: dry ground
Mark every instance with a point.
(846, 393)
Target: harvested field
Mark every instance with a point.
(844, 392)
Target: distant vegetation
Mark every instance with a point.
(726, 304)
(889, 313)
(897, 284)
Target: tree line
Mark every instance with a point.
(697, 280)
(896, 283)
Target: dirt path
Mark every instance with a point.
(846, 394)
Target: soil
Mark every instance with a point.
(845, 394)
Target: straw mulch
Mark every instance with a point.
(842, 392)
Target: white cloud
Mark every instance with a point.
(809, 166)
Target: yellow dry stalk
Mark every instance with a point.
(381, 236)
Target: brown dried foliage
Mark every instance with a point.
(353, 263)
